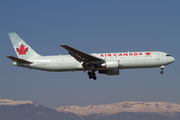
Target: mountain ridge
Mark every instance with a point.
(129, 106)
(20, 110)
(12, 102)
(160, 107)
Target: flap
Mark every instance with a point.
(81, 56)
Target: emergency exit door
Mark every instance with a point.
(44, 61)
(158, 56)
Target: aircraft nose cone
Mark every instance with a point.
(172, 59)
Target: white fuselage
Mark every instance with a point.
(126, 60)
(104, 63)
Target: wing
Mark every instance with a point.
(18, 59)
(83, 57)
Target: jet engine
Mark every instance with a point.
(111, 64)
(112, 67)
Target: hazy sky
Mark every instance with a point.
(92, 26)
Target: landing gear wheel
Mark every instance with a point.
(92, 75)
(162, 68)
(89, 73)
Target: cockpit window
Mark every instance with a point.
(168, 55)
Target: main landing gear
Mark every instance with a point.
(92, 75)
(162, 68)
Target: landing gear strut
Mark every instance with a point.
(92, 75)
(162, 68)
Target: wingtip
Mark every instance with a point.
(63, 45)
(11, 32)
(8, 56)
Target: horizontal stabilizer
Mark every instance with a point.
(18, 60)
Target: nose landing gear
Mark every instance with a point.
(162, 68)
(92, 75)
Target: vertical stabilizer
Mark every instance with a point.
(22, 49)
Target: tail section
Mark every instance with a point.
(22, 49)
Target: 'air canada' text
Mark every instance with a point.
(125, 54)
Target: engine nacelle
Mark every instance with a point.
(111, 64)
(109, 72)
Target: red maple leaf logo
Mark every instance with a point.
(22, 50)
(148, 53)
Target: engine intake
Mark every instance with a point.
(111, 64)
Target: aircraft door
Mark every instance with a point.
(158, 56)
(44, 61)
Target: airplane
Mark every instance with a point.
(104, 63)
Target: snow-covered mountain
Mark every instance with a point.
(136, 107)
(21, 110)
(27, 110)
(11, 102)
